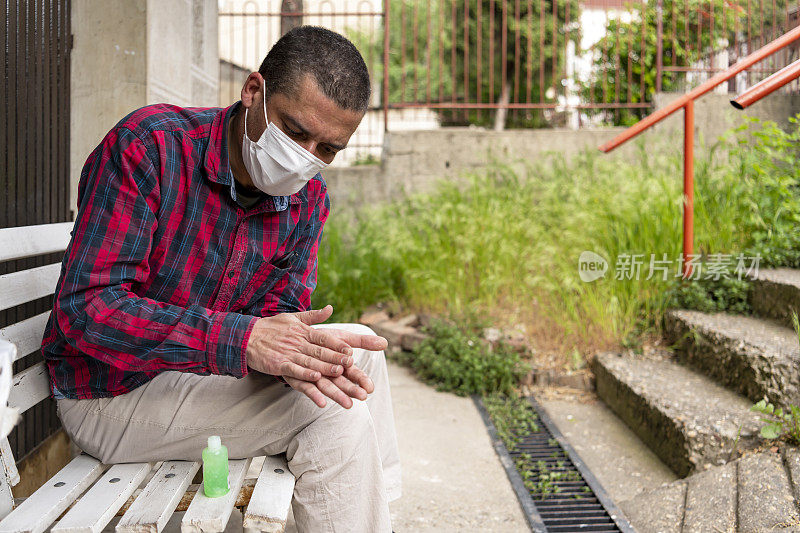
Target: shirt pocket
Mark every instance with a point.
(266, 276)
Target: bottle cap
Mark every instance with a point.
(214, 442)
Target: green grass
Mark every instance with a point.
(504, 243)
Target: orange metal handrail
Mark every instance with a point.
(767, 86)
(687, 103)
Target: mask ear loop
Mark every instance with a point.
(245, 126)
(264, 95)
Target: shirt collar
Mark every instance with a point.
(218, 168)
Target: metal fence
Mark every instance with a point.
(714, 35)
(34, 156)
(516, 63)
(569, 63)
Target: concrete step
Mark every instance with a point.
(687, 419)
(776, 293)
(756, 357)
(760, 489)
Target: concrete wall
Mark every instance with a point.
(714, 115)
(414, 160)
(130, 53)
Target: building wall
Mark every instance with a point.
(231, 80)
(183, 68)
(130, 53)
(109, 73)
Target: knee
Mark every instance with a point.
(370, 362)
(346, 428)
(357, 419)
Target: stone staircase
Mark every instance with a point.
(757, 493)
(692, 408)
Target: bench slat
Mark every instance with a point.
(206, 515)
(27, 241)
(30, 387)
(46, 504)
(9, 465)
(28, 285)
(27, 335)
(269, 505)
(100, 504)
(6, 497)
(160, 497)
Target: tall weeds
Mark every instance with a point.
(504, 242)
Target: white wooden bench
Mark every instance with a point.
(86, 494)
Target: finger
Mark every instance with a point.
(349, 388)
(309, 389)
(358, 376)
(356, 340)
(293, 370)
(332, 342)
(329, 389)
(315, 316)
(315, 358)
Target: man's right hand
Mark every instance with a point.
(286, 345)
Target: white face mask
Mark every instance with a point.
(278, 165)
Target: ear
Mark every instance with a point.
(252, 86)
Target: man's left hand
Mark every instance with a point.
(353, 383)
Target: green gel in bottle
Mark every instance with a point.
(215, 468)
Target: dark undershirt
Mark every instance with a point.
(247, 198)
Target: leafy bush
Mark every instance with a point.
(713, 296)
(456, 359)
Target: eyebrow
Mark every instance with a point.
(299, 127)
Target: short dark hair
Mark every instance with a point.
(332, 60)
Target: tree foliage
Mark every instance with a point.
(624, 62)
(464, 52)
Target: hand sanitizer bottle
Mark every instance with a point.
(215, 468)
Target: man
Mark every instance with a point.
(183, 307)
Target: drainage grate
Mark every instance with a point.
(569, 498)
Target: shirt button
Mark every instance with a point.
(231, 273)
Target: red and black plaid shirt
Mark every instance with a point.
(165, 270)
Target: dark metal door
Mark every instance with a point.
(34, 155)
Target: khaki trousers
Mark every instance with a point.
(345, 461)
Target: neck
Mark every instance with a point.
(235, 133)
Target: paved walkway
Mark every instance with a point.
(452, 478)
